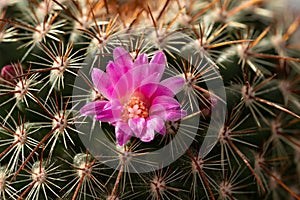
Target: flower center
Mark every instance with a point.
(135, 108)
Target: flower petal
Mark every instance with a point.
(122, 58)
(158, 64)
(114, 72)
(156, 124)
(111, 113)
(175, 115)
(174, 83)
(137, 126)
(151, 78)
(123, 133)
(163, 91)
(93, 108)
(142, 76)
(148, 136)
(139, 75)
(124, 87)
(141, 61)
(140, 69)
(165, 107)
(143, 72)
(106, 116)
(101, 82)
(152, 90)
(167, 102)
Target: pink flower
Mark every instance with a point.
(138, 103)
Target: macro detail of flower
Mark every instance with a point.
(137, 102)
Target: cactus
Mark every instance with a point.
(113, 99)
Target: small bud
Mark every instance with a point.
(8, 73)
